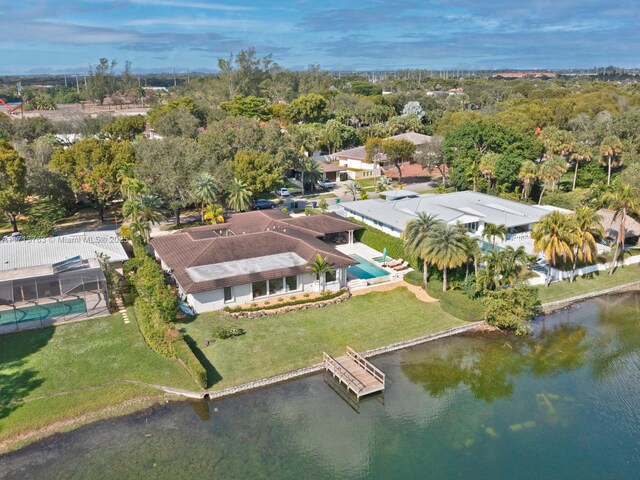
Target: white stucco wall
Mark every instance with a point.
(243, 294)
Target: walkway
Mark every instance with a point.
(386, 287)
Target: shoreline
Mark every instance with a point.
(167, 394)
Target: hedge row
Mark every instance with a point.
(457, 302)
(190, 361)
(325, 296)
(379, 240)
(155, 309)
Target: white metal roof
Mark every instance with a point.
(47, 251)
(245, 266)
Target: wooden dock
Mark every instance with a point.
(353, 371)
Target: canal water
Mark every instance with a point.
(563, 403)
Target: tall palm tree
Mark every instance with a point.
(311, 173)
(445, 248)
(610, 150)
(204, 190)
(528, 175)
(415, 237)
(132, 187)
(623, 200)
(214, 214)
(581, 153)
(474, 253)
(587, 229)
(238, 196)
(352, 188)
(492, 231)
(487, 167)
(550, 173)
(514, 261)
(553, 235)
(320, 266)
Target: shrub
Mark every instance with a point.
(227, 332)
(512, 308)
(255, 308)
(414, 277)
(153, 329)
(37, 228)
(305, 295)
(186, 356)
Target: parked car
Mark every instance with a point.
(283, 192)
(326, 184)
(262, 204)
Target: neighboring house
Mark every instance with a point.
(632, 227)
(355, 161)
(332, 171)
(254, 256)
(55, 279)
(471, 209)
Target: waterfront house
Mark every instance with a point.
(254, 256)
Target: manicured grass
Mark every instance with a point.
(57, 373)
(588, 284)
(280, 343)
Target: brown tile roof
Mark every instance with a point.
(279, 233)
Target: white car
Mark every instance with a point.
(326, 184)
(283, 192)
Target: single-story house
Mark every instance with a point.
(354, 159)
(632, 227)
(333, 172)
(56, 279)
(254, 256)
(472, 209)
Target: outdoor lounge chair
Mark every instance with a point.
(394, 263)
(403, 266)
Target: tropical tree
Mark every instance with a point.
(238, 196)
(382, 184)
(398, 152)
(13, 183)
(487, 167)
(311, 173)
(416, 235)
(581, 154)
(588, 228)
(144, 209)
(528, 175)
(551, 172)
(553, 235)
(204, 190)
(214, 213)
(623, 200)
(491, 232)
(445, 248)
(610, 151)
(131, 187)
(353, 188)
(320, 266)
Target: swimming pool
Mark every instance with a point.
(364, 269)
(42, 312)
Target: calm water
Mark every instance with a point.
(562, 404)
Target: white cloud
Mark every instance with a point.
(193, 5)
(222, 23)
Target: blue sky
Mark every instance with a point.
(158, 35)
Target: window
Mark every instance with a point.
(331, 276)
(292, 283)
(259, 289)
(276, 285)
(228, 294)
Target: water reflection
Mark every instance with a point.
(488, 364)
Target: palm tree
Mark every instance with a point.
(474, 253)
(550, 173)
(581, 153)
(311, 173)
(610, 150)
(145, 209)
(132, 187)
(528, 175)
(352, 188)
(491, 232)
(514, 261)
(623, 200)
(487, 167)
(214, 213)
(445, 248)
(553, 235)
(415, 237)
(204, 190)
(238, 196)
(587, 229)
(320, 266)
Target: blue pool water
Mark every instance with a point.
(364, 269)
(43, 312)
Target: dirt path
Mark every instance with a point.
(417, 291)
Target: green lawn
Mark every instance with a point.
(582, 285)
(277, 344)
(58, 373)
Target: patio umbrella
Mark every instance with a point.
(384, 255)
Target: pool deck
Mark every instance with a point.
(369, 254)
